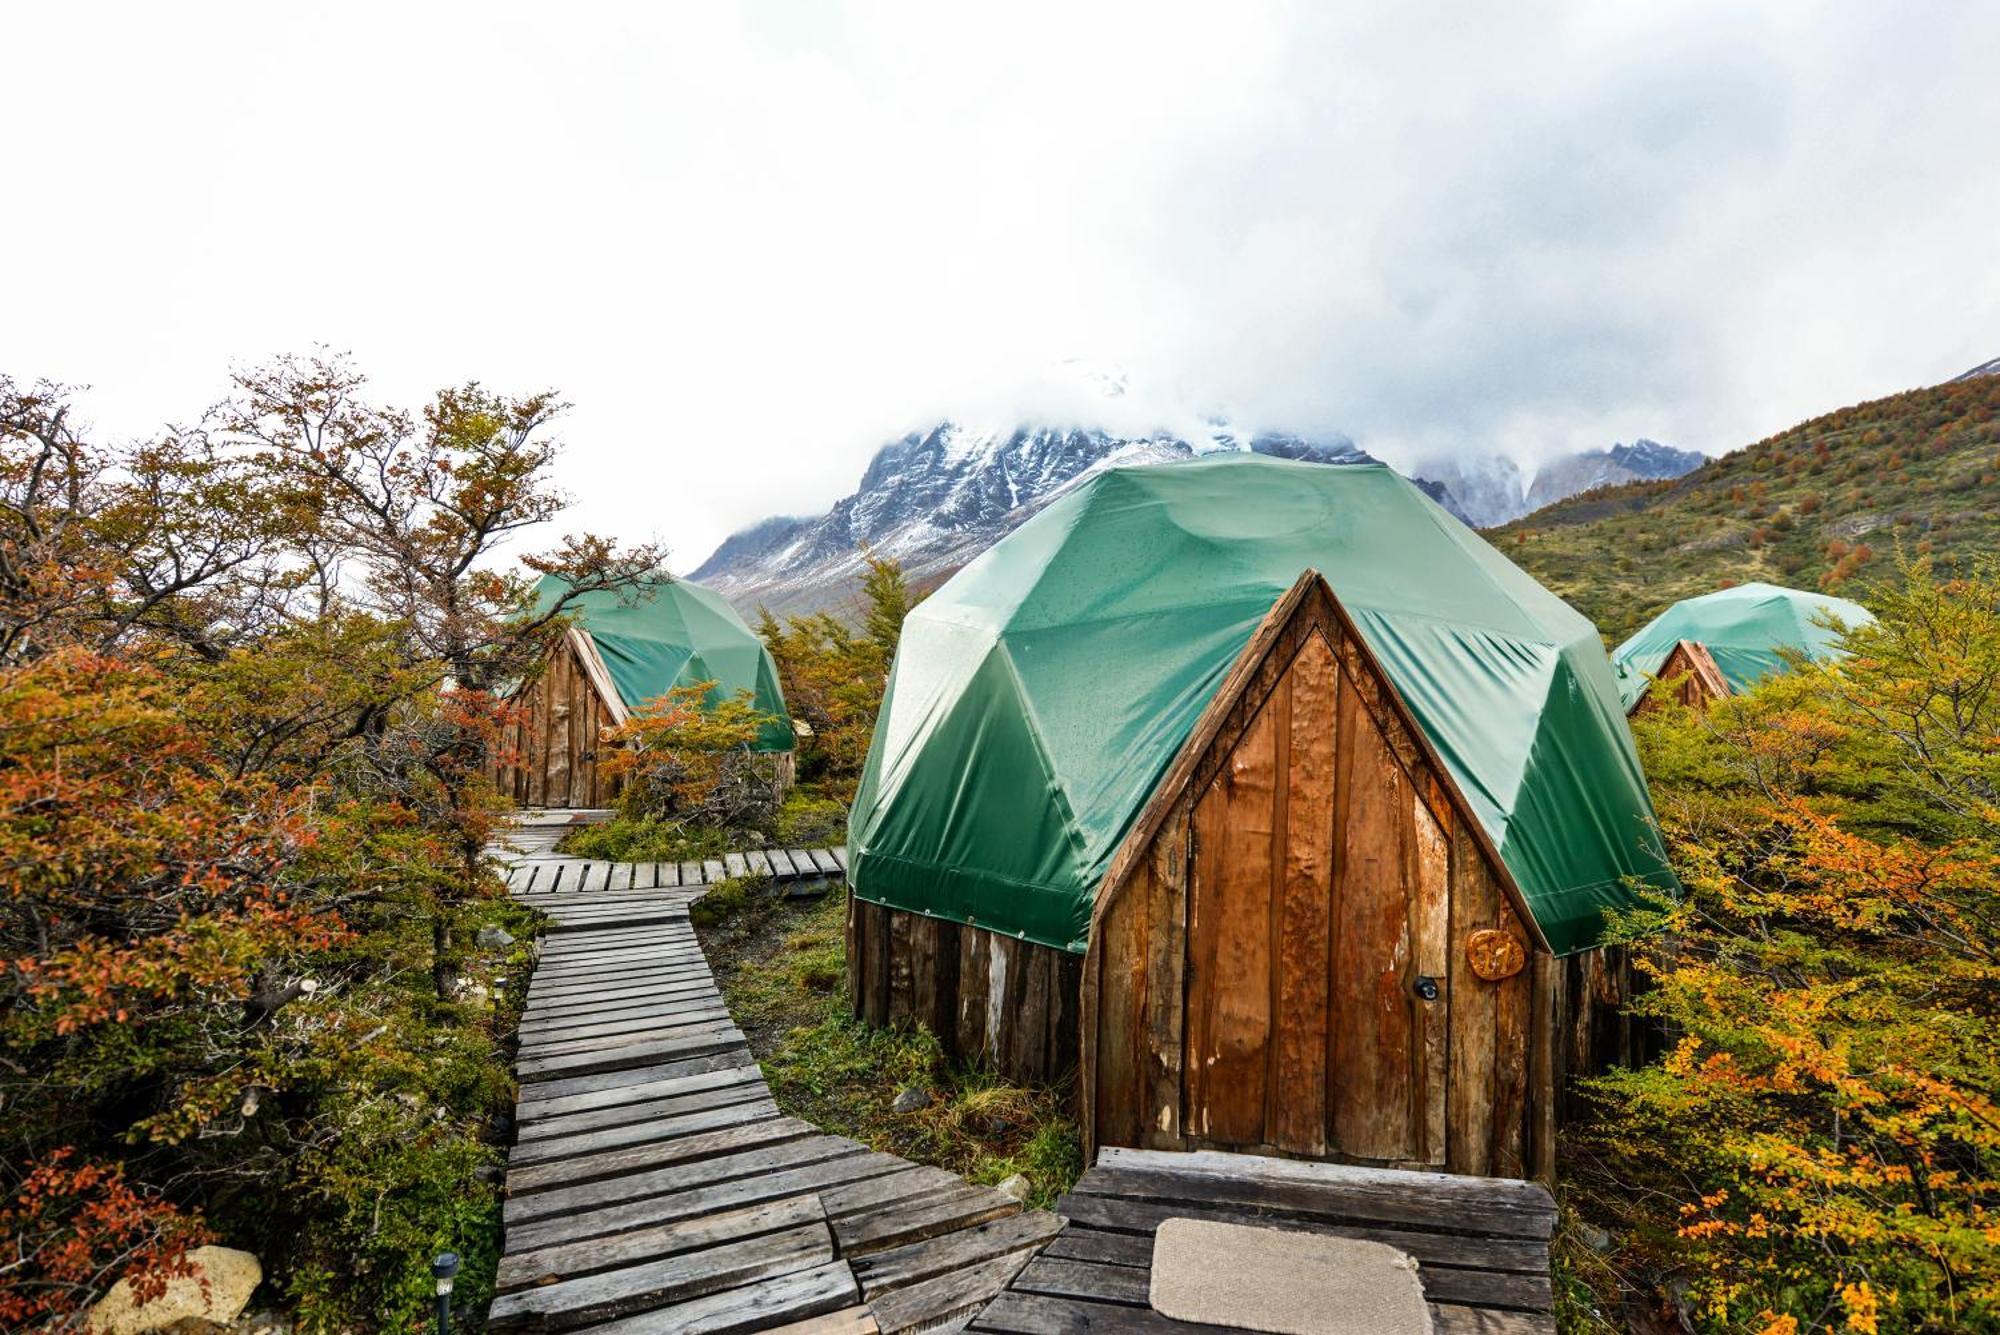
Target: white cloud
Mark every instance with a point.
(751, 242)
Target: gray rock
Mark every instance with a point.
(1595, 1238)
(1016, 1186)
(911, 1099)
(264, 1322)
(492, 938)
(231, 1275)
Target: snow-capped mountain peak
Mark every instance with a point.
(935, 498)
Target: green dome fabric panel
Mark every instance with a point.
(1038, 697)
(1743, 628)
(676, 633)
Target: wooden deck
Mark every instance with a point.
(654, 1186)
(1481, 1244)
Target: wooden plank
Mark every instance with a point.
(901, 949)
(598, 1082)
(1373, 1035)
(635, 1159)
(1084, 1279)
(933, 1302)
(1296, 1115)
(780, 862)
(692, 874)
(1040, 1314)
(713, 870)
(520, 1269)
(1229, 943)
(556, 687)
(756, 864)
(1430, 930)
(867, 1195)
(767, 1158)
(734, 866)
(934, 974)
(728, 1187)
(653, 1000)
(571, 1303)
(914, 1262)
(824, 862)
(1510, 1062)
(1501, 1206)
(874, 938)
(701, 1043)
(839, 855)
(952, 1208)
(1473, 1016)
(1542, 1040)
(1451, 1319)
(537, 1126)
(974, 981)
(793, 1297)
(667, 875)
(1118, 963)
(847, 1321)
(1166, 962)
(667, 1126)
(802, 863)
(1024, 1049)
(1080, 1243)
(1134, 1220)
(550, 1036)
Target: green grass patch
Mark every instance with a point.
(648, 839)
(782, 967)
(808, 818)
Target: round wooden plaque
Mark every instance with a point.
(1494, 954)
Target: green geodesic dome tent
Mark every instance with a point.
(1747, 629)
(669, 633)
(1039, 696)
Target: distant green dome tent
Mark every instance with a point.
(1320, 787)
(1746, 630)
(625, 649)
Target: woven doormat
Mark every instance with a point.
(1271, 1279)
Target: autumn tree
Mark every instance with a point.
(401, 515)
(247, 670)
(1820, 1146)
(834, 674)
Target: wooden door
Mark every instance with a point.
(1316, 911)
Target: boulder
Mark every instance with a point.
(232, 1276)
(1016, 1186)
(491, 938)
(911, 1099)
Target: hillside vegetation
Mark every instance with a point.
(1819, 506)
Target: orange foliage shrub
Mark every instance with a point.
(1820, 1147)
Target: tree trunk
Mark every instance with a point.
(441, 970)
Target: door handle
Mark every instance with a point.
(1426, 987)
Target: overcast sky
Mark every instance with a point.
(750, 242)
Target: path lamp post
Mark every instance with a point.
(445, 1267)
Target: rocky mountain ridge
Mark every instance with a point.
(934, 499)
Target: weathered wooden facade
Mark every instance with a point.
(1306, 945)
(550, 755)
(1699, 680)
(989, 998)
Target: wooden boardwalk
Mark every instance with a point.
(654, 1186)
(1481, 1243)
